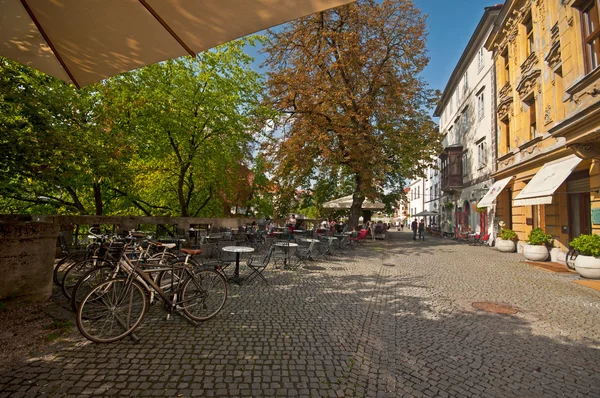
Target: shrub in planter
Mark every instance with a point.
(536, 249)
(537, 237)
(508, 234)
(587, 245)
(587, 263)
(506, 240)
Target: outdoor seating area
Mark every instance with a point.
(242, 256)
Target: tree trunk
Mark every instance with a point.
(98, 199)
(355, 209)
(181, 193)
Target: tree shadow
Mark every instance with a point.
(335, 331)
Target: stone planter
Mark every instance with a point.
(506, 246)
(535, 252)
(588, 266)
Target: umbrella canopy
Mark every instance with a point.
(346, 202)
(426, 213)
(85, 41)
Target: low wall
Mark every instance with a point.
(27, 260)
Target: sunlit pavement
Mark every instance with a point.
(392, 318)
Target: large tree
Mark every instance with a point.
(54, 154)
(192, 121)
(347, 81)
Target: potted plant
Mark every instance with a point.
(506, 240)
(587, 263)
(536, 248)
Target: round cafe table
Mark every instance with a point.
(238, 250)
(286, 246)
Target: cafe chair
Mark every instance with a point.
(258, 264)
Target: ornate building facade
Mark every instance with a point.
(467, 116)
(547, 58)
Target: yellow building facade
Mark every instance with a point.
(547, 74)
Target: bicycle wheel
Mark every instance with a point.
(172, 279)
(61, 267)
(77, 270)
(89, 281)
(203, 294)
(112, 310)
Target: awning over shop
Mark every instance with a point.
(540, 189)
(491, 195)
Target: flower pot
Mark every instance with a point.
(505, 245)
(535, 252)
(588, 266)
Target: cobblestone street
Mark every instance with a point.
(391, 319)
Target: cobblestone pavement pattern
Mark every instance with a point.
(391, 319)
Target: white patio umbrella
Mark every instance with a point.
(346, 202)
(84, 41)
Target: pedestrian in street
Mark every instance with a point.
(422, 229)
(414, 226)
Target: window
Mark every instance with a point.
(465, 83)
(506, 72)
(506, 133)
(591, 34)
(530, 47)
(464, 122)
(532, 119)
(480, 59)
(465, 162)
(480, 106)
(481, 154)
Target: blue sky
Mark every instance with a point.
(450, 26)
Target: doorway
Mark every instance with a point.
(578, 201)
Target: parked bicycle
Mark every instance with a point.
(115, 308)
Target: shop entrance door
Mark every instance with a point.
(578, 193)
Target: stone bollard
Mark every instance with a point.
(27, 260)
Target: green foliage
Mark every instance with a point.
(588, 245)
(173, 138)
(508, 234)
(349, 109)
(538, 237)
(449, 206)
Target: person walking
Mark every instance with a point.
(422, 229)
(414, 226)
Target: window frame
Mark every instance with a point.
(529, 36)
(590, 13)
(481, 154)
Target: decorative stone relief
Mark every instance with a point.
(547, 115)
(531, 149)
(529, 83)
(505, 108)
(508, 162)
(553, 58)
(529, 63)
(593, 92)
(586, 150)
(504, 91)
(541, 6)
